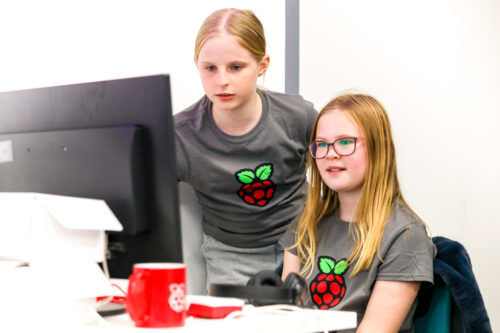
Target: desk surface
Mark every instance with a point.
(28, 302)
(253, 319)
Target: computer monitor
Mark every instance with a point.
(110, 140)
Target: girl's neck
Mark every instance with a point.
(239, 121)
(347, 206)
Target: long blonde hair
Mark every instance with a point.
(379, 193)
(241, 23)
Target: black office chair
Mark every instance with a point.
(454, 303)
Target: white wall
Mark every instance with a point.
(435, 66)
(56, 42)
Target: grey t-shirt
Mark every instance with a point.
(251, 186)
(407, 254)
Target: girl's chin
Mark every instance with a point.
(344, 188)
(336, 186)
(224, 106)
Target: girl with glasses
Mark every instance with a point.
(242, 149)
(358, 243)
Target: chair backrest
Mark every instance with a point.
(192, 240)
(455, 303)
(437, 315)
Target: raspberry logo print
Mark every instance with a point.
(328, 287)
(177, 298)
(257, 188)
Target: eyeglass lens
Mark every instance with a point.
(342, 146)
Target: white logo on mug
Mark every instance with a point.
(177, 299)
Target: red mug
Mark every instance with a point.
(157, 295)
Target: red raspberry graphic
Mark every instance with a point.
(327, 288)
(257, 188)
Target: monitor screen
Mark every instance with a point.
(110, 140)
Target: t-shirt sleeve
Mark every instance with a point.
(311, 118)
(288, 239)
(181, 160)
(409, 257)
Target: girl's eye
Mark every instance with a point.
(345, 142)
(210, 68)
(322, 145)
(236, 67)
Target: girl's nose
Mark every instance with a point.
(222, 78)
(332, 153)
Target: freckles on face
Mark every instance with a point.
(343, 174)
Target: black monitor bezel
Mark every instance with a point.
(140, 101)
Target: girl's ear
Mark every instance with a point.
(264, 64)
(195, 61)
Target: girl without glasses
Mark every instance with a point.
(242, 149)
(358, 243)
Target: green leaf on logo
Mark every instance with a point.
(341, 266)
(246, 176)
(264, 171)
(326, 264)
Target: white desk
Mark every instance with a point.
(27, 306)
(303, 320)
(253, 319)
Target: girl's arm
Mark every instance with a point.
(291, 264)
(388, 306)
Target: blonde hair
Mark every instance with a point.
(241, 23)
(379, 193)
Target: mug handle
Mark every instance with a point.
(136, 298)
